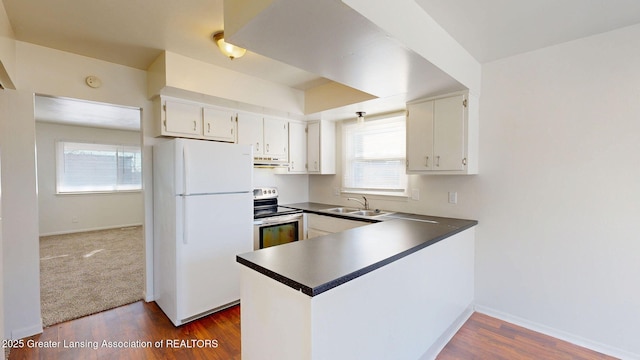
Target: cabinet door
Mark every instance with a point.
(420, 136)
(313, 147)
(330, 224)
(448, 130)
(297, 148)
(276, 137)
(219, 124)
(182, 118)
(250, 132)
(311, 233)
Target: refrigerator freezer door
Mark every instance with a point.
(208, 167)
(218, 227)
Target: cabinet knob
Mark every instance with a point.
(438, 160)
(208, 127)
(426, 161)
(194, 125)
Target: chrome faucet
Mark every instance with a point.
(364, 203)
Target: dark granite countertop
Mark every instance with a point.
(316, 265)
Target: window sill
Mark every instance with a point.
(99, 192)
(397, 195)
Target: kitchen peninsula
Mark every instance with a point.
(395, 289)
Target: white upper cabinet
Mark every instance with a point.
(269, 137)
(419, 142)
(321, 147)
(219, 124)
(181, 119)
(250, 132)
(276, 137)
(190, 119)
(297, 148)
(442, 135)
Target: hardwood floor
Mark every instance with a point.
(484, 337)
(138, 322)
(218, 337)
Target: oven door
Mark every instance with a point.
(277, 230)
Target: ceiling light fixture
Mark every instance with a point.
(229, 50)
(360, 117)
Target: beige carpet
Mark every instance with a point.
(85, 273)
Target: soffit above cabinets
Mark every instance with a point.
(332, 40)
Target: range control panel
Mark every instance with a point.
(265, 193)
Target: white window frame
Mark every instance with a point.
(349, 182)
(62, 188)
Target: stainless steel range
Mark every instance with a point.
(273, 224)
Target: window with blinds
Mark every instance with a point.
(86, 168)
(374, 157)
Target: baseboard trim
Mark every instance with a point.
(26, 331)
(89, 229)
(444, 339)
(558, 334)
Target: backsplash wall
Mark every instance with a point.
(291, 188)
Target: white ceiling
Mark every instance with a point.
(494, 29)
(86, 113)
(134, 33)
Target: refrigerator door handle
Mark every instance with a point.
(185, 228)
(185, 168)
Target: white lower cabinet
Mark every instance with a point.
(318, 225)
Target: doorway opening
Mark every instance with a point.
(91, 206)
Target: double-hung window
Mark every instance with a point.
(87, 167)
(374, 157)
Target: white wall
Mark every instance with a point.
(20, 217)
(291, 188)
(50, 72)
(558, 194)
(560, 202)
(46, 71)
(7, 50)
(92, 211)
(3, 106)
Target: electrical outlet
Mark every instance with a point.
(453, 197)
(415, 194)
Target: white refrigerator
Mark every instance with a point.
(203, 218)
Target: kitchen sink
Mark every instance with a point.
(341, 210)
(356, 212)
(369, 213)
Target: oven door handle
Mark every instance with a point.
(278, 219)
